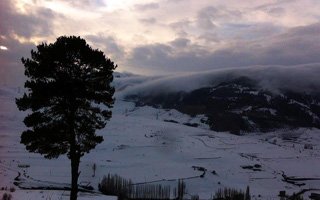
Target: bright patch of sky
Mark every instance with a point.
(4, 48)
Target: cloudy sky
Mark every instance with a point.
(165, 36)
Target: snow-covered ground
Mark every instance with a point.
(153, 145)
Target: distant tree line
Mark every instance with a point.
(126, 189)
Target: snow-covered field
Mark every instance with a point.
(144, 144)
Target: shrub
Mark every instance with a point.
(12, 189)
(232, 194)
(125, 189)
(181, 190)
(6, 196)
(308, 146)
(116, 185)
(195, 197)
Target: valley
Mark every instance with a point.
(154, 145)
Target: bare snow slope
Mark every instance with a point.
(145, 145)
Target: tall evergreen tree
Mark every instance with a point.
(70, 96)
(247, 194)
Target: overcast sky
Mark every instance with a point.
(165, 36)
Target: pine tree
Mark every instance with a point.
(247, 194)
(70, 96)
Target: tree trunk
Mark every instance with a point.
(75, 161)
(74, 153)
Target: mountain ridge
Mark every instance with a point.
(241, 105)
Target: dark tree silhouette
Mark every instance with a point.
(70, 96)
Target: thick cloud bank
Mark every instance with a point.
(299, 78)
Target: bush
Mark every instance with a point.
(308, 146)
(12, 189)
(6, 196)
(125, 189)
(116, 186)
(232, 194)
(195, 197)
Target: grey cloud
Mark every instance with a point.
(296, 46)
(180, 27)
(273, 9)
(11, 68)
(276, 11)
(209, 38)
(150, 21)
(38, 22)
(213, 12)
(298, 78)
(304, 31)
(148, 54)
(168, 58)
(180, 42)
(252, 31)
(111, 46)
(148, 6)
(178, 55)
(83, 4)
(175, 1)
(207, 17)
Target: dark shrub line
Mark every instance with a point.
(125, 189)
(232, 194)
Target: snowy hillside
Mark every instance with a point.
(157, 145)
(242, 102)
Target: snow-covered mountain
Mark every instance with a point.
(169, 141)
(241, 105)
